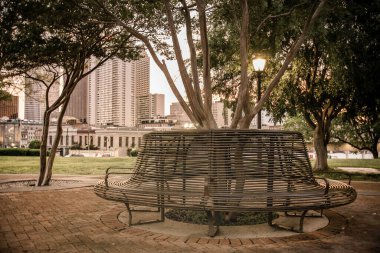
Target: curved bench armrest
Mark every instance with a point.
(109, 172)
(118, 168)
(117, 173)
(327, 183)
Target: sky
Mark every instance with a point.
(158, 83)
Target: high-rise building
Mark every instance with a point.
(77, 106)
(142, 84)
(118, 92)
(157, 105)
(178, 113)
(222, 115)
(9, 108)
(35, 98)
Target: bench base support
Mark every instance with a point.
(130, 210)
(301, 223)
(213, 223)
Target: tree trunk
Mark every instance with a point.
(43, 148)
(49, 168)
(321, 149)
(374, 151)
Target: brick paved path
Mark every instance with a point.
(76, 221)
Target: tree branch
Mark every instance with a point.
(160, 64)
(243, 93)
(351, 144)
(193, 101)
(289, 57)
(193, 54)
(276, 16)
(206, 63)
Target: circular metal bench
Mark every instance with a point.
(224, 171)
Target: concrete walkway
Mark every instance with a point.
(75, 220)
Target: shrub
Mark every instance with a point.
(19, 152)
(34, 144)
(134, 152)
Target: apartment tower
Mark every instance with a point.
(77, 106)
(157, 105)
(117, 92)
(35, 93)
(142, 81)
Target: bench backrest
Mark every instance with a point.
(224, 154)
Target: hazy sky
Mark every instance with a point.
(158, 83)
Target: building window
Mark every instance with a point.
(120, 141)
(72, 140)
(133, 142)
(85, 140)
(139, 142)
(99, 141)
(126, 141)
(80, 141)
(61, 141)
(67, 140)
(105, 142)
(50, 140)
(111, 141)
(91, 140)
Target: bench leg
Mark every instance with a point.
(160, 209)
(301, 221)
(213, 223)
(270, 218)
(129, 214)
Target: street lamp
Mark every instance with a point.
(258, 66)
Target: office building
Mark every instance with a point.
(77, 106)
(142, 85)
(118, 92)
(35, 98)
(222, 115)
(9, 108)
(157, 105)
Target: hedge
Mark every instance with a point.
(19, 152)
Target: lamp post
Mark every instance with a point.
(258, 66)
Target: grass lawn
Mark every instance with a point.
(358, 163)
(63, 165)
(98, 165)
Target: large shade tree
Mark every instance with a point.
(67, 38)
(16, 39)
(321, 84)
(360, 122)
(156, 24)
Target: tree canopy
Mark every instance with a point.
(58, 38)
(325, 79)
(156, 24)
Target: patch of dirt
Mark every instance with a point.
(200, 217)
(32, 183)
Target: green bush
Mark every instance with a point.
(19, 152)
(134, 152)
(35, 144)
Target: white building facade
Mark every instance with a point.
(115, 92)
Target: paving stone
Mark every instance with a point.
(79, 221)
